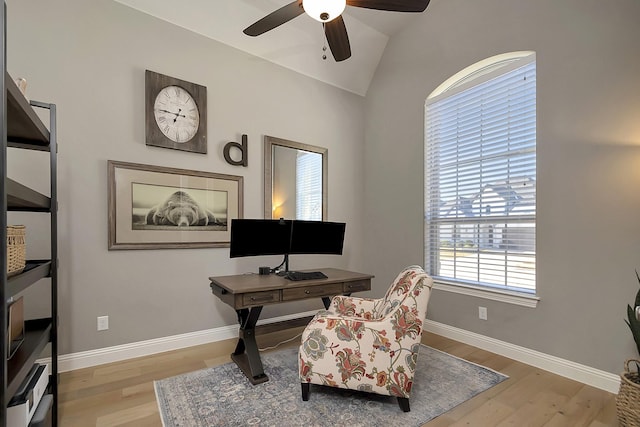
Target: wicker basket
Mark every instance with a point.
(16, 249)
(628, 398)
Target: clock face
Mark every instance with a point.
(176, 114)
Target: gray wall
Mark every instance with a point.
(89, 58)
(588, 234)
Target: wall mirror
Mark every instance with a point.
(295, 180)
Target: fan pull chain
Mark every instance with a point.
(324, 48)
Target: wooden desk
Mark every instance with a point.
(248, 293)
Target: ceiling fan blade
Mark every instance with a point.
(275, 19)
(338, 39)
(391, 5)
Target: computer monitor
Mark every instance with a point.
(317, 237)
(254, 237)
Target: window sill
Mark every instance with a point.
(522, 299)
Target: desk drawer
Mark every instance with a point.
(357, 286)
(260, 298)
(311, 291)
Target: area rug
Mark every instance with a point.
(222, 396)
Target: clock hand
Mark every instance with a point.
(178, 115)
(171, 112)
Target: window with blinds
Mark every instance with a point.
(308, 186)
(480, 178)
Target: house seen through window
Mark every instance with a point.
(480, 176)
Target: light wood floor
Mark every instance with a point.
(121, 394)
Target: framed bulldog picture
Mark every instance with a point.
(155, 207)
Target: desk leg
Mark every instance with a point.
(247, 355)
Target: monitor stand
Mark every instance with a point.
(285, 262)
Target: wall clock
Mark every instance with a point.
(176, 113)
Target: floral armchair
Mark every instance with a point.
(368, 344)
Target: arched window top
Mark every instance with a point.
(485, 69)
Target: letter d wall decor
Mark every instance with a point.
(244, 161)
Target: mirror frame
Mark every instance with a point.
(269, 143)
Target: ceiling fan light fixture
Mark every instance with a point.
(324, 10)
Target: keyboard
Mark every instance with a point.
(304, 275)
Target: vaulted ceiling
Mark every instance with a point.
(297, 45)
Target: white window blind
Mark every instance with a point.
(480, 180)
(308, 186)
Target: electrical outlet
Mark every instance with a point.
(482, 313)
(103, 323)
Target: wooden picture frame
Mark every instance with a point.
(170, 101)
(155, 207)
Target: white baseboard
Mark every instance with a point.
(575, 371)
(86, 359)
(100, 356)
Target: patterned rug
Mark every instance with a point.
(222, 396)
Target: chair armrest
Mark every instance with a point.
(361, 308)
(328, 316)
(401, 325)
(326, 332)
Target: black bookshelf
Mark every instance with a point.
(21, 128)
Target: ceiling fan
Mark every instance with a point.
(329, 13)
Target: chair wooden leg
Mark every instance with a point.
(404, 404)
(305, 391)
